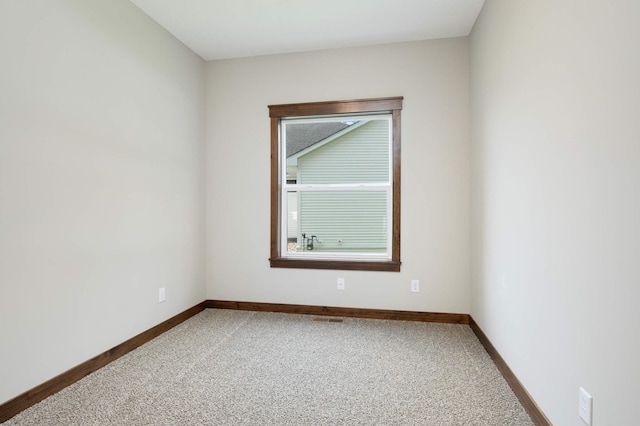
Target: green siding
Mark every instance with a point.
(347, 221)
(360, 156)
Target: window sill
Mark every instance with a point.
(347, 265)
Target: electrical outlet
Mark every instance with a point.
(340, 283)
(415, 286)
(161, 295)
(586, 406)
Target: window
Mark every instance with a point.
(335, 185)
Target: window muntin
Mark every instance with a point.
(335, 185)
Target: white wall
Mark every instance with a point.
(101, 182)
(555, 172)
(433, 77)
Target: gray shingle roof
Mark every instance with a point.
(302, 136)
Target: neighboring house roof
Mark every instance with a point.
(302, 136)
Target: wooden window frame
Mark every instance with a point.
(378, 105)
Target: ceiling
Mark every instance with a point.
(221, 29)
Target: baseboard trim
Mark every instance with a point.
(536, 414)
(56, 384)
(340, 312)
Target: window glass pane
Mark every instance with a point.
(353, 221)
(342, 151)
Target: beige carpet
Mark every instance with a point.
(244, 368)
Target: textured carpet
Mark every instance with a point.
(225, 367)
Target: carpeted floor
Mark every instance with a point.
(225, 367)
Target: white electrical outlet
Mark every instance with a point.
(415, 286)
(340, 283)
(161, 295)
(586, 406)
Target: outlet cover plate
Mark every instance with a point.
(586, 406)
(161, 297)
(415, 286)
(340, 283)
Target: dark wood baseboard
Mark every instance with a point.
(537, 416)
(37, 394)
(341, 312)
